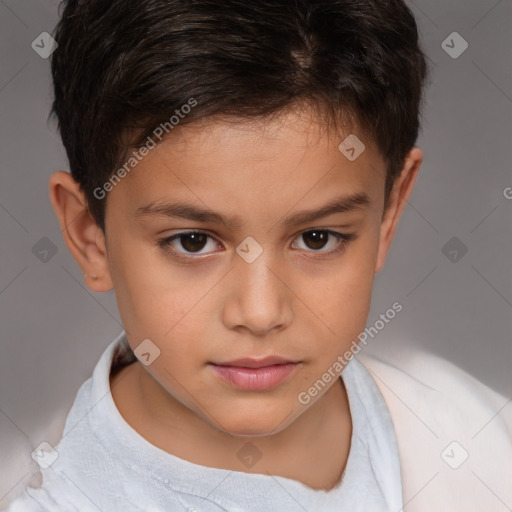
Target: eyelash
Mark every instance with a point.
(343, 239)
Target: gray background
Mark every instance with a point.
(54, 329)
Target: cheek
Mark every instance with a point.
(342, 297)
(161, 312)
(152, 296)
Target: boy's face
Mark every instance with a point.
(204, 300)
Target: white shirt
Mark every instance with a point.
(105, 465)
(454, 434)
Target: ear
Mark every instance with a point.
(398, 198)
(84, 238)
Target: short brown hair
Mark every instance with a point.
(123, 67)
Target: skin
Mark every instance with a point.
(298, 299)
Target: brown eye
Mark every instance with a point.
(316, 239)
(193, 242)
(187, 242)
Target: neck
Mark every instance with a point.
(313, 449)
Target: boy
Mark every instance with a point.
(238, 172)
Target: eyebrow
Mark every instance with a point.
(188, 211)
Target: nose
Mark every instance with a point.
(258, 299)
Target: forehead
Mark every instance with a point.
(300, 128)
(223, 162)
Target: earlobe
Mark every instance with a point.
(80, 231)
(399, 196)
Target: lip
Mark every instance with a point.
(252, 362)
(255, 374)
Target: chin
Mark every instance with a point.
(254, 424)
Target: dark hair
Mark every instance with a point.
(124, 67)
